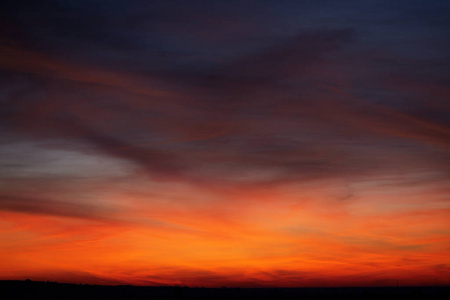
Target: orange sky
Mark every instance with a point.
(297, 235)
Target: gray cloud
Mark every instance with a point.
(52, 207)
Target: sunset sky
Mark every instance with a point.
(225, 143)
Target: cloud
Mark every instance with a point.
(177, 140)
(43, 206)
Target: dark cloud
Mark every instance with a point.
(293, 56)
(43, 206)
(242, 116)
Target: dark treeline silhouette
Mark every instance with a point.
(37, 290)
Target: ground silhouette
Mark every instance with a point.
(38, 290)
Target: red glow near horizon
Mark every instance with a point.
(257, 240)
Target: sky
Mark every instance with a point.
(225, 143)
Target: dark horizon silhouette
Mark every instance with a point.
(39, 290)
